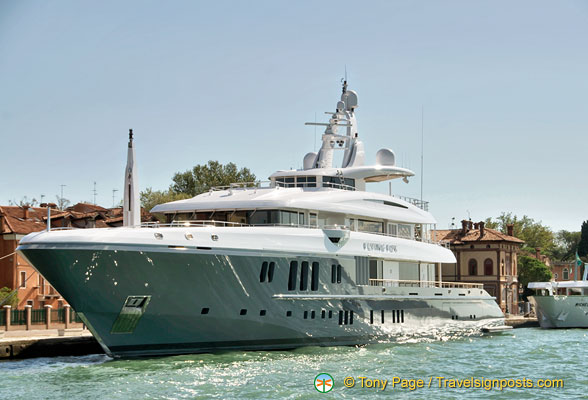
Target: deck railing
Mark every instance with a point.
(413, 283)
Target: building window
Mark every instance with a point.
(556, 276)
(23, 279)
(566, 274)
(488, 267)
(473, 267)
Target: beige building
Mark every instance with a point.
(484, 256)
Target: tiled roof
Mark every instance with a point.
(14, 221)
(454, 236)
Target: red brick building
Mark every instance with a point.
(16, 222)
(484, 256)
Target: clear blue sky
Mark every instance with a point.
(504, 86)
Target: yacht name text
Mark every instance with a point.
(382, 247)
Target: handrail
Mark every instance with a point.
(413, 283)
(423, 205)
(213, 223)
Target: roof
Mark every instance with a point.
(13, 217)
(455, 236)
(14, 221)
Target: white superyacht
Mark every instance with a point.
(308, 259)
(561, 304)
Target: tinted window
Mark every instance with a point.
(293, 274)
(304, 276)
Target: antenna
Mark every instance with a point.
(61, 203)
(315, 131)
(422, 147)
(113, 192)
(94, 191)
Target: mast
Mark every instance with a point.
(131, 204)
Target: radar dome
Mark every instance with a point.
(309, 160)
(385, 157)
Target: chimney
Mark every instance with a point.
(470, 225)
(1, 222)
(481, 225)
(25, 210)
(509, 229)
(464, 227)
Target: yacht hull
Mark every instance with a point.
(177, 300)
(561, 311)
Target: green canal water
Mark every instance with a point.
(529, 353)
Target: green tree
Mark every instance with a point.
(8, 297)
(202, 177)
(150, 198)
(566, 243)
(531, 270)
(583, 243)
(525, 228)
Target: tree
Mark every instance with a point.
(150, 198)
(202, 177)
(566, 243)
(24, 202)
(531, 270)
(62, 202)
(8, 297)
(583, 243)
(533, 233)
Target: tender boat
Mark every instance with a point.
(561, 304)
(307, 259)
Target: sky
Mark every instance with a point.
(501, 88)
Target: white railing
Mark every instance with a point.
(413, 283)
(204, 223)
(423, 205)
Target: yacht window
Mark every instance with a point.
(183, 216)
(370, 226)
(263, 217)
(288, 218)
(300, 218)
(304, 276)
(338, 273)
(334, 273)
(338, 182)
(289, 182)
(315, 276)
(393, 229)
(263, 273)
(312, 220)
(311, 181)
(405, 231)
(293, 274)
(270, 272)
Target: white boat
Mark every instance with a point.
(309, 258)
(561, 304)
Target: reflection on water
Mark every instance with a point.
(523, 353)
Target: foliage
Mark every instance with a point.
(531, 270)
(4, 293)
(533, 233)
(566, 243)
(150, 198)
(583, 242)
(202, 177)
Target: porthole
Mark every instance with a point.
(158, 235)
(214, 237)
(189, 236)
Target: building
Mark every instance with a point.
(17, 221)
(565, 271)
(484, 256)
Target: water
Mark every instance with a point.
(522, 353)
